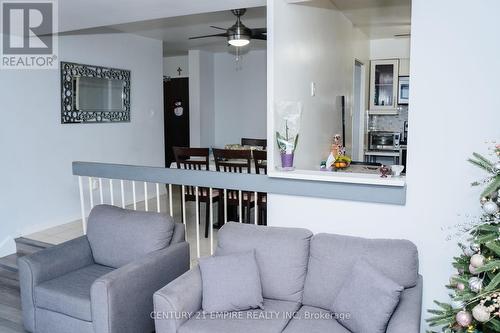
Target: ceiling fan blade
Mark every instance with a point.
(261, 37)
(213, 26)
(259, 31)
(216, 35)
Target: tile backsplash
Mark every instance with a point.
(389, 123)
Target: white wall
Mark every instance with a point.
(392, 48)
(201, 99)
(171, 64)
(38, 189)
(313, 43)
(226, 102)
(240, 97)
(449, 119)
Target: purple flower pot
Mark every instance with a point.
(287, 160)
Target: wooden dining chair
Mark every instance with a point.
(196, 159)
(254, 142)
(260, 160)
(238, 161)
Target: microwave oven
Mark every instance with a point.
(381, 140)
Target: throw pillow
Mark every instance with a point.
(366, 300)
(231, 283)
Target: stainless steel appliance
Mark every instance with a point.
(405, 133)
(381, 140)
(404, 90)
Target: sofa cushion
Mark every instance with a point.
(369, 297)
(272, 319)
(282, 255)
(70, 294)
(119, 236)
(333, 256)
(314, 320)
(230, 282)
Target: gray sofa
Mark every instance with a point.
(301, 275)
(103, 282)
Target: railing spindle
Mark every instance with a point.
(256, 208)
(211, 222)
(225, 206)
(82, 205)
(134, 197)
(91, 193)
(240, 208)
(197, 200)
(170, 200)
(158, 198)
(122, 189)
(100, 191)
(146, 204)
(111, 192)
(183, 199)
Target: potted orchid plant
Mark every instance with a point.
(287, 135)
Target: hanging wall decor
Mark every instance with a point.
(94, 94)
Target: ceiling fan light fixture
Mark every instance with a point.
(238, 40)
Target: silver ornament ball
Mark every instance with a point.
(463, 318)
(468, 251)
(490, 208)
(472, 270)
(475, 247)
(496, 167)
(481, 313)
(477, 260)
(475, 284)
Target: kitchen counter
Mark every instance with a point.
(366, 177)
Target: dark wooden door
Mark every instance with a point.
(176, 116)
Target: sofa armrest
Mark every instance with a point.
(178, 301)
(46, 265)
(406, 317)
(122, 300)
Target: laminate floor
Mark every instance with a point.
(10, 302)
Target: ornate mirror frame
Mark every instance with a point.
(70, 115)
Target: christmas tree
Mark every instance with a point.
(475, 289)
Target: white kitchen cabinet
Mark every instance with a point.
(384, 86)
(404, 67)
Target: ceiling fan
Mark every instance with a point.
(238, 34)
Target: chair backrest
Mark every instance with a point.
(119, 236)
(228, 160)
(191, 158)
(260, 160)
(254, 142)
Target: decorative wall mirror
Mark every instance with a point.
(94, 94)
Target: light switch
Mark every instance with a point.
(313, 89)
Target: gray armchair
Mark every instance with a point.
(103, 282)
